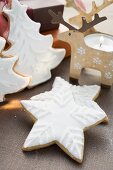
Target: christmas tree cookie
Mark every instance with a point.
(36, 56)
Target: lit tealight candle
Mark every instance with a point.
(100, 41)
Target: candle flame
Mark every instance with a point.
(101, 39)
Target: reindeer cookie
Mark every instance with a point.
(36, 56)
(83, 56)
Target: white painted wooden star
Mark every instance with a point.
(61, 116)
(36, 56)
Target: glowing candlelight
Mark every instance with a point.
(101, 40)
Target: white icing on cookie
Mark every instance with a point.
(2, 43)
(61, 119)
(36, 55)
(79, 92)
(10, 82)
(83, 95)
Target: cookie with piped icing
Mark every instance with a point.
(61, 116)
(10, 81)
(36, 55)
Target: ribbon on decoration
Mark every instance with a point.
(80, 4)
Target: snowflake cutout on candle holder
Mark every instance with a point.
(97, 60)
(108, 75)
(111, 63)
(78, 66)
(81, 51)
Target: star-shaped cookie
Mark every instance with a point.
(61, 116)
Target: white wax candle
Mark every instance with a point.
(100, 41)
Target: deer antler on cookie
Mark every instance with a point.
(95, 9)
(58, 18)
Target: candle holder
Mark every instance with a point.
(84, 54)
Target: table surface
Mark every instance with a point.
(15, 125)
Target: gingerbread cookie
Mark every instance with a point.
(61, 116)
(36, 56)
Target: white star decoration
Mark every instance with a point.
(81, 51)
(61, 116)
(108, 75)
(78, 66)
(97, 60)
